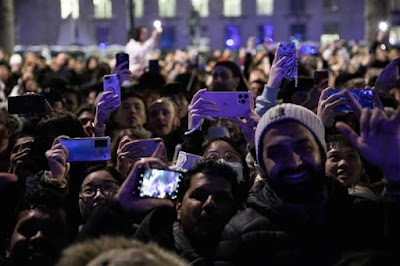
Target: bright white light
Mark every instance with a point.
(157, 24)
(383, 47)
(383, 26)
(230, 42)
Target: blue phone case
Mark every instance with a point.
(87, 149)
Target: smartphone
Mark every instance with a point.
(308, 49)
(186, 160)
(364, 97)
(321, 76)
(230, 104)
(154, 66)
(27, 104)
(111, 83)
(122, 58)
(148, 147)
(87, 149)
(288, 49)
(157, 183)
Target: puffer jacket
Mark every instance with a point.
(272, 232)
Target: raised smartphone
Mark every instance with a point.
(230, 104)
(288, 49)
(186, 160)
(27, 104)
(364, 97)
(87, 149)
(157, 183)
(148, 147)
(122, 58)
(111, 83)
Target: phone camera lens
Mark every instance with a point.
(243, 101)
(240, 96)
(107, 78)
(246, 96)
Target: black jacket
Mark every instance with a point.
(160, 226)
(271, 232)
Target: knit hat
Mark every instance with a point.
(288, 112)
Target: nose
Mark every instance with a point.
(294, 160)
(99, 195)
(38, 236)
(343, 163)
(209, 204)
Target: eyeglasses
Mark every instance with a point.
(108, 189)
(228, 156)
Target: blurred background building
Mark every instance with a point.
(207, 23)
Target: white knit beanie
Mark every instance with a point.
(292, 112)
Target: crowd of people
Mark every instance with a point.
(297, 181)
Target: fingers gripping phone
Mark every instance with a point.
(288, 49)
(364, 97)
(111, 83)
(27, 104)
(147, 147)
(157, 183)
(87, 149)
(230, 104)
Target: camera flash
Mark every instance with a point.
(383, 26)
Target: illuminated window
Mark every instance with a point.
(201, 6)
(232, 8)
(68, 8)
(167, 8)
(139, 8)
(265, 7)
(102, 8)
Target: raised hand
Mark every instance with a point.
(277, 72)
(57, 159)
(248, 125)
(197, 107)
(107, 104)
(379, 139)
(126, 195)
(327, 105)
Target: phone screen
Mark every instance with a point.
(122, 58)
(162, 184)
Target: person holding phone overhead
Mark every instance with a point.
(139, 46)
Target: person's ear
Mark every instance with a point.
(178, 210)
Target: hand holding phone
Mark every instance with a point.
(109, 102)
(129, 150)
(128, 195)
(57, 158)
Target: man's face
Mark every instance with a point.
(206, 207)
(182, 104)
(95, 188)
(131, 113)
(38, 237)
(344, 163)
(87, 118)
(223, 79)
(162, 118)
(292, 160)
